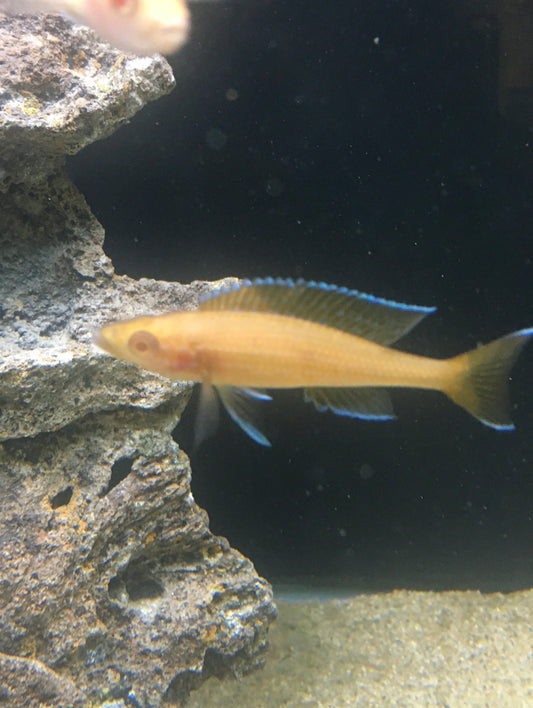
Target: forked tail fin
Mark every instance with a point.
(481, 384)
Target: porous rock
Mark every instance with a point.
(61, 89)
(56, 287)
(110, 575)
(112, 588)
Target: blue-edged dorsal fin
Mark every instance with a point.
(365, 402)
(239, 402)
(378, 320)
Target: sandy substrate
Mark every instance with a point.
(449, 649)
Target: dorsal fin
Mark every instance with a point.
(381, 321)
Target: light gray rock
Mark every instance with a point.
(56, 286)
(61, 89)
(112, 587)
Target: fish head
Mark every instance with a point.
(130, 340)
(143, 27)
(160, 344)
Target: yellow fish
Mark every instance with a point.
(142, 27)
(333, 342)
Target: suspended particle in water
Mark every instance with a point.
(366, 471)
(274, 187)
(216, 139)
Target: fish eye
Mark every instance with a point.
(142, 342)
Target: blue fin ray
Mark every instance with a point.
(381, 321)
(240, 405)
(365, 402)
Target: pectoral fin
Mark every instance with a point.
(206, 416)
(240, 404)
(364, 402)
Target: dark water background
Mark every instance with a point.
(360, 144)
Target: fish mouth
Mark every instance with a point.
(172, 37)
(100, 341)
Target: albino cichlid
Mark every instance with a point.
(143, 27)
(331, 341)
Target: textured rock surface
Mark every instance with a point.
(112, 587)
(56, 285)
(62, 89)
(110, 575)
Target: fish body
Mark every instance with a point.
(332, 342)
(265, 351)
(142, 27)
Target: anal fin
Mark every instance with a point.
(364, 402)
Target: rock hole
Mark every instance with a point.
(181, 686)
(214, 551)
(119, 471)
(134, 586)
(215, 664)
(117, 590)
(62, 498)
(144, 588)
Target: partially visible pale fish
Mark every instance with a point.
(143, 27)
(333, 342)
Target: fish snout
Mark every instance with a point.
(100, 340)
(171, 37)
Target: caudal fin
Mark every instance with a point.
(481, 386)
